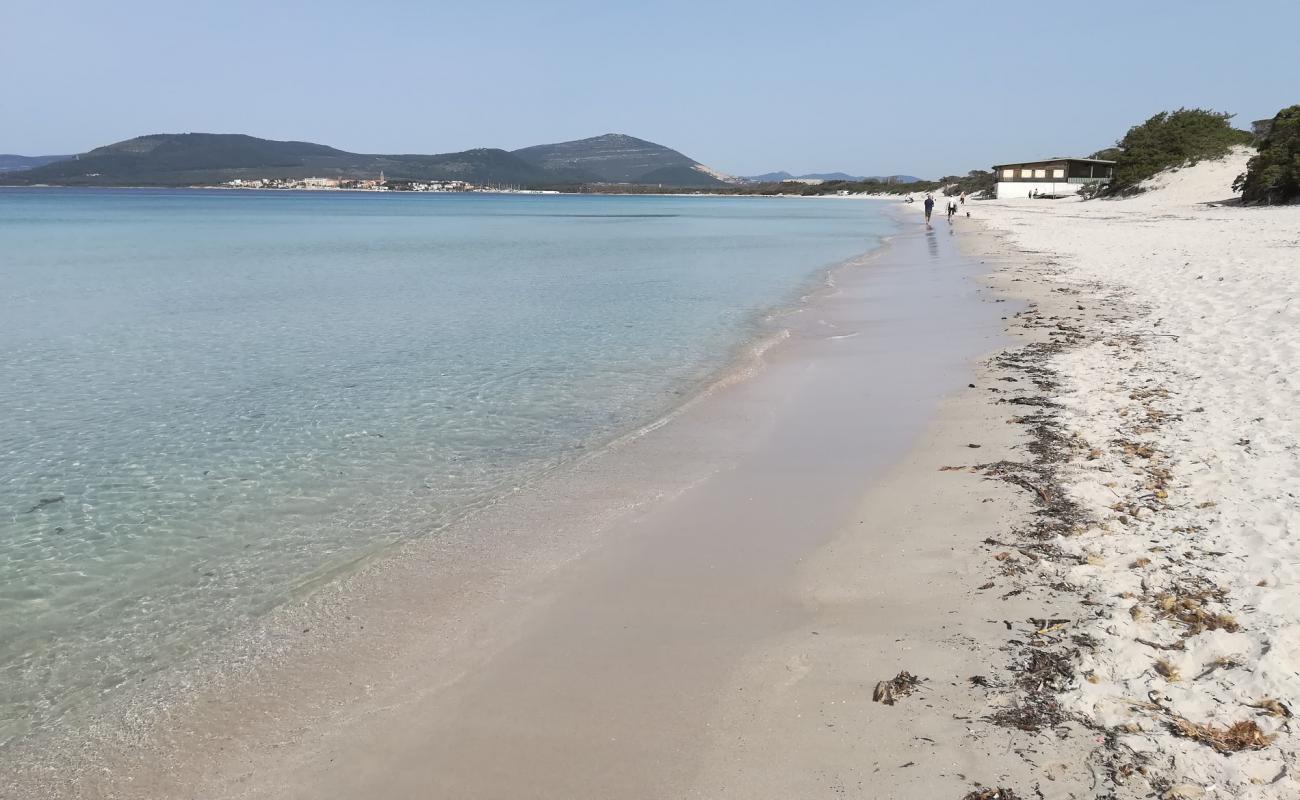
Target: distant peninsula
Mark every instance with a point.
(600, 163)
(211, 159)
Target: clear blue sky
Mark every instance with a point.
(926, 88)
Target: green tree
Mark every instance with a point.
(1172, 139)
(1273, 175)
(978, 182)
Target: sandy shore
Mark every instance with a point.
(1176, 446)
(1132, 614)
(927, 578)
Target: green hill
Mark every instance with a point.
(619, 158)
(679, 175)
(189, 159)
(10, 162)
(186, 159)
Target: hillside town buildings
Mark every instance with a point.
(380, 184)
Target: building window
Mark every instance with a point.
(1058, 174)
(1026, 173)
(1040, 173)
(1008, 173)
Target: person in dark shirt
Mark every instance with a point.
(929, 207)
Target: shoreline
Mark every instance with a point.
(713, 622)
(527, 192)
(473, 634)
(129, 722)
(922, 581)
(729, 359)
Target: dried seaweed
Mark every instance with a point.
(1040, 674)
(901, 685)
(1033, 713)
(1243, 735)
(1189, 609)
(1044, 665)
(992, 794)
(1272, 707)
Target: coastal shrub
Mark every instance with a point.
(1172, 139)
(974, 183)
(1273, 175)
(978, 183)
(1090, 190)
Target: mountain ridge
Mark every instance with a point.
(187, 159)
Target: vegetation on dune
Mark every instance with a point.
(1172, 139)
(976, 182)
(1273, 175)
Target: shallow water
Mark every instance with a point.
(212, 400)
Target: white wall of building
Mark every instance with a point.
(1010, 189)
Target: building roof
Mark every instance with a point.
(1051, 160)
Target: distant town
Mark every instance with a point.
(380, 184)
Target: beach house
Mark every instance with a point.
(1056, 177)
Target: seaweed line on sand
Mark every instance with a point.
(1046, 656)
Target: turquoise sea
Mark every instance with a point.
(212, 400)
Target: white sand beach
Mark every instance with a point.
(1178, 408)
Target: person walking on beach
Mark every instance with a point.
(929, 208)
(952, 210)
(963, 198)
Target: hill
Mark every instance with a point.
(770, 177)
(619, 158)
(777, 177)
(831, 176)
(11, 163)
(185, 159)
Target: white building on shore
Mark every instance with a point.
(1055, 177)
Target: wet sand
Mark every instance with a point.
(911, 581)
(593, 636)
(609, 690)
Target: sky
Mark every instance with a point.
(745, 86)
